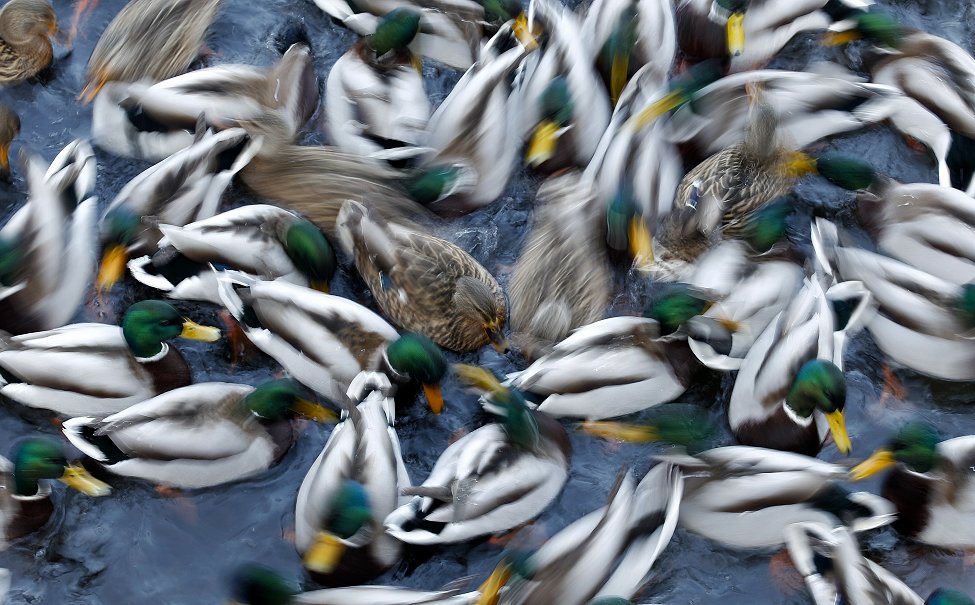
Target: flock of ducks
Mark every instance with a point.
(668, 157)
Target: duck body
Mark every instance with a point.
(191, 437)
(363, 448)
(25, 43)
(55, 236)
(561, 279)
(422, 283)
(21, 515)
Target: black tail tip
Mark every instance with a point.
(293, 32)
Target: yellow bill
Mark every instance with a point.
(325, 554)
(493, 331)
(112, 267)
(478, 378)
(321, 285)
(78, 478)
(527, 37)
(434, 397)
(837, 427)
(880, 460)
(617, 75)
(735, 32)
(315, 412)
(491, 588)
(195, 331)
(798, 164)
(641, 243)
(92, 88)
(5, 157)
(838, 38)
(620, 431)
(543, 142)
(668, 102)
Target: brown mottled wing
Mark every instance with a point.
(23, 63)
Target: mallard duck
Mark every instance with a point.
(375, 102)
(608, 552)
(354, 483)
(561, 279)
(199, 435)
(790, 392)
(26, 27)
(183, 188)
(153, 121)
(475, 127)
(750, 32)
(25, 498)
(746, 497)
(149, 39)
(945, 596)
(424, 284)
(563, 103)
(48, 246)
(930, 485)
(92, 369)
(490, 480)
(264, 241)
(829, 560)
(326, 341)
(9, 129)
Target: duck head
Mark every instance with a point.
(37, 458)
(820, 385)
(306, 246)
(349, 516)
(419, 358)
(273, 400)
(259, 585)
(149, 323)
(119, 229)
(915, 446)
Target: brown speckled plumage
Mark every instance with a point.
(25, 44)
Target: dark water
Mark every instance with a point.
(138, 546)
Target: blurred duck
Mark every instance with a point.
(26, 27)
(354, 483)
(149, 40)
(9, 129)
(561, 279)
(490, 480)
(266, 242)
(375, 103)
(930, 485)
(474, 130)
(325, 341)
(747, 497)
(608, 552)
(563, 102)
(25, 496)
(424, 284)
(47, 248)
(621, 365)
(183, 188)
(153, 121)
(90, 369)
(196, 436)
(750, 32)
(830, 561)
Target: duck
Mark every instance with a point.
(325, 341)
(25, 501)
(197, 436)
(929, 484)
(563, 102)
(422, 283)
(149, 39)
(746, 497)
(264, 241)
(152, 121)
(9, 129)
(561, 280)
(608, 552)
(830, 561)
(491, 479)
(48, 245)
(183, 188)
(90, 369)
(26, 28)
(375, 102)
(354, 483)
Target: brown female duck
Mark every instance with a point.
(26, 27)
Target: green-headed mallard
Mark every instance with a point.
(946, 596)
(92, 369)
(264, 241)
(424, 284)
(930, 485)
(746, 497)
(830, 561)
(183, 188)
(608, 552)
(375, 103)
(48, 246)
(149, 39)
(490, 480)
(354, 483)
(561, 280)
(563, 103)
(26, 27)
(25, 496)
(325, 341)
(153, 121)
(199, 435)
(9, 129)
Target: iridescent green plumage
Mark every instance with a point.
(819, 384)
(349, 511)
(430, 184)
(768, 225)
(10, 258)
(311, 253)
(673, 306)
(272, 400)
(258, 585)
(945, 596)
(395, 31)
(149, 323)
(845, 171)
(965, 305)
(916, 445)
(418, 357)
(36, 459)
